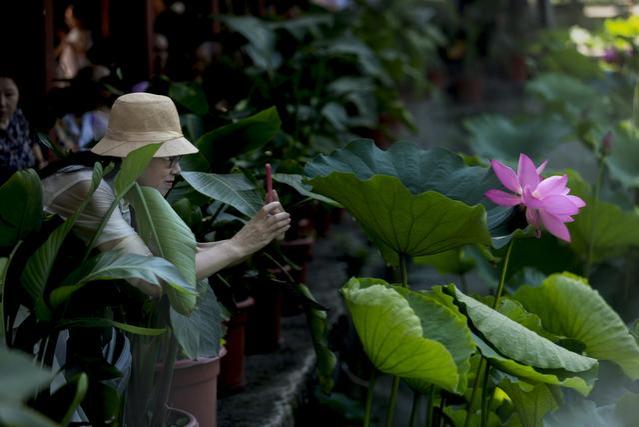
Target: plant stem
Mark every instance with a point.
(484, 397)
(442, 405)
(431, 406)
(592, 216)
(502, 279)
(393, 402)
(464, 283)
(369, 398)
(164, 387)
(469, 409)
(403, 269)
(414, 409)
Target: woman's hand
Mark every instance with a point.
(270, 223)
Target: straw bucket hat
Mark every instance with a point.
(139, 119)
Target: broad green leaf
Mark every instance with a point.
(419, 170)
(532, 402)
(132, 167)
(39, 265)
(402, 223)
(21, 207)
(189, 95)
(499, 137)
(624, 151)
(605, 226)
(20, 377)
(575, 98)
(583, 412)
(76, 389)
(233, 189)
(445, 324)
(318, 326)
(516, 341)
(569, 307)
(627, 408)
(221, 144)
(582, 382)
(16, 415)
(168, 237)
(262, 40)
(199, 333)
(99, 322)
(115, 265)
(393, 337)
(296, 181)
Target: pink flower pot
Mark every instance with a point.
(194, 388)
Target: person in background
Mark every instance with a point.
(18, 149)
(72, 51)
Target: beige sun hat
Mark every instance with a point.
(139, 119)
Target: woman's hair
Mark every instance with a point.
(80, 158)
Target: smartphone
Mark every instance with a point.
(269, 183)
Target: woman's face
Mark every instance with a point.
(160, 173)
(8, 99)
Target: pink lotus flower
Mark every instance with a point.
(547, 201)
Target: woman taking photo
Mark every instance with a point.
(138, 120)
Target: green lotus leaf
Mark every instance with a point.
(622, 160)
(402, 223)
(499, 137)
(584, 412)
(419, 170)
(516, 341)
(189, 95)
(446, 325)
(532, 402)
(393, 336)
(296, 181)
(569, 307)
(609, 229)
(582, 382)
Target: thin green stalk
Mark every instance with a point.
(369, 398)
(471, 402)
(393, 402)
(164, 386)
(403, 269)
(431, 406)
(484, 396)
(464, 283)
(502, 279)
(598, 184)
(414, 409)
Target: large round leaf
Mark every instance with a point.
(582, 382)
(402, 223)
(393, 336)
(445, 324)
(499, 137)
(419, 170)
(516, 341)
(605, 226)
(569, 307)
(622, 160)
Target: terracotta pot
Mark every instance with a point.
(194, 388)
(232, 373)
(176, 417)
(517, 68)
